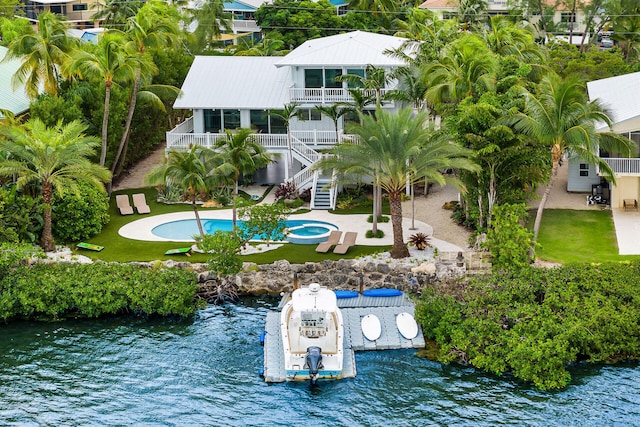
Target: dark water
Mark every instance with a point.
(204, 372)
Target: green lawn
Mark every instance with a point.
(119, 249)
(578, 236)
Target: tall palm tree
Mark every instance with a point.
(211, 18)
(116, 12)
(239, 154)
(396, 149)
(190, 170)
(154, 26)
(110, 61)
(42, 54)
(287, 114)
(55, 158)
(560, 116)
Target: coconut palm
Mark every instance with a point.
(560, 116)
(211, 18)
(396, 150)
(239, 154)
(54, 158)
(154, 26)
(110, 61)
(189, 170)
(116, 12)
(42, 54)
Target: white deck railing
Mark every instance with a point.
(624, 166)
(325, 95)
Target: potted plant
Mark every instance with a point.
(420, 241)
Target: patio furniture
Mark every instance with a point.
(348, 241)
(89, 246)
(630, 204)
(122, 201)
(140, 202)
(332, 240)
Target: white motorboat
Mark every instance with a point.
(312, 334)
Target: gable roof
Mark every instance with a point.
(357, 48)
(16, 100)
(620, 95)
(235, 82)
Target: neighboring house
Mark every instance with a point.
(14, 100)
(620, 96)
(229, 92)
(77, 12)
(243, 21)
(448, 9)
(87, 35)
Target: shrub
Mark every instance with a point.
(420, 241)
(20, 216)
(381, 218)
(286, 191)
(79, 216)
(378, 235)
(508, 241)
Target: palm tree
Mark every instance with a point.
(287, 114)
(210, 17)
(116, 12)
(239, 154)
(334, 112)
(42, 55)
(55, 158)
(186, 169)
(359, 101)
(109, 61)
(559, 116)
(154, 26)
(396, 150)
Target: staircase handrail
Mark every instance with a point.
(312, 203)
(304, 151)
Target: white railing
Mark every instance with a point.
(305, 154)
(245, 24)
(318, 137)
(624, 166)
(326, 95)
(303, 178)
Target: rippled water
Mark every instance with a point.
(204, 371)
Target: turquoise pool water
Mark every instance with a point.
(303, 231)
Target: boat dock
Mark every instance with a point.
(353, 310)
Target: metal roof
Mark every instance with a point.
(16, 100)
(620, 95)
(357, 48)
(237, 82)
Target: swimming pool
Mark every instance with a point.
(300, 231)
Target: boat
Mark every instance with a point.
(312, 335)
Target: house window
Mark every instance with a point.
(310, 115)
(566, 17)
(231, 119)
(212, 121)
(330, 78)
(277, 124)
(58, 9)
(358, 72)
(313, 78)
(260, 120)
(584, 169)
(79, 7)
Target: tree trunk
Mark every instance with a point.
(374, 219)
(399, 249)
(105, 123)
(46, 240)
(235, 197)
(543, 201)
(122, 148)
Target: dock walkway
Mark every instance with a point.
(353, 310)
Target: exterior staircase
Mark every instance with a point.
(321, 195)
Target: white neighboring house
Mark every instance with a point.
(620, 96)
(230, 92)
(13, 100)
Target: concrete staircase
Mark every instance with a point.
(321, 195)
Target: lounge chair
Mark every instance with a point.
(348, 241)
(122, 200)
(140, 202)
(334, 239)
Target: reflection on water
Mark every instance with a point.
(204, 371)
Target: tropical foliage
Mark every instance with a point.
(534, 323)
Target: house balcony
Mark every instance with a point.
(245, 26)
(328, 95)
(624, 166)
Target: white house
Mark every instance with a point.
(620, 96)
(12, 99)
(230, 92)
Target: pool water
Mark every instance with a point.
(303, 231)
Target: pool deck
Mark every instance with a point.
(141, 228)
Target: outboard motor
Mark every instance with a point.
(314, 362)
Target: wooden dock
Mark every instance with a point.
(353, 310)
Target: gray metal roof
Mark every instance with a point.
(16, 100)
(235, 82)
(357, 48)
(620, 95)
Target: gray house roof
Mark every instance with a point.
(235, 82)
(357, 48)
(620, 95)
(16, 100)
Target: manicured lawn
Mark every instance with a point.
(119, 249)
(578, 236)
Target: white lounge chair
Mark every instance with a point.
(122, 201)
(140, 202)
